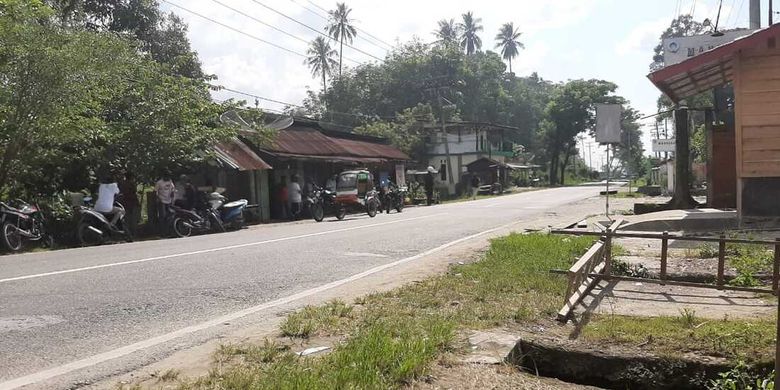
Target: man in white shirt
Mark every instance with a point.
(107, 192)
(294, 196)
(165, 189)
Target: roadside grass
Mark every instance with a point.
(394, 336)
(751, 341)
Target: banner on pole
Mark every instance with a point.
(608, 123)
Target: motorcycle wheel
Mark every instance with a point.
(372, 208)
(216, 224)
(400, 206)
(181, 228)
(12, 240)
(86, 236)
(317, 212)
(341, 213)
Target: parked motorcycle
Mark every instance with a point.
(95, 228)
(322, 201)
(231, 214)
(21, 222)
(393, 198)
(204, 218)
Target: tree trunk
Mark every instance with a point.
(682, 191)
(341, 53)
(510, 65)
(323, 82)
(564, 164)
(554, 167)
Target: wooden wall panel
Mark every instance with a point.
(757, 96)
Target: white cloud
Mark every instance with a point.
(642, 39)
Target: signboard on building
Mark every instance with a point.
(663, 145)
(679, 49)
(608, 123)
(400, 175)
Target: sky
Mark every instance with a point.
(564, 39)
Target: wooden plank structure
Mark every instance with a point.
(586, 272)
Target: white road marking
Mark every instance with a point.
(67, 271)
(128, 349)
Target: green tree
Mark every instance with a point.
(406, 132)
(76, 101)
(469, 39)
(163, 36)
(321, 59)
(570, 112)
(507, 41)
(447, 33)
(340, 28)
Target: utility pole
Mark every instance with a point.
(446, 137)
(755, 14)
(657, 136)
(771, 18)
(590, 156)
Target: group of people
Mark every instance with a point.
(167, 193)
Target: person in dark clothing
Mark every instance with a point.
(475, 182)
(429, 188)
(128, 189)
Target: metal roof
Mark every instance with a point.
(708, 70)
(238, 155)
(305, 142)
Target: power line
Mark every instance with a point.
(360, 36)
(273, 27)
(357, 28)
(693, 7)
(261, 22)
(235, 29)
(314, 29)
(739, 13)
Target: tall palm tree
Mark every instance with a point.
(447, 33)
(340, 27)
(321, 59)
(470, 26)
(507, 40)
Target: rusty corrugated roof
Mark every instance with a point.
(305, 142)
(239, 156)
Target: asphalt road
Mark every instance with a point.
(87, 305)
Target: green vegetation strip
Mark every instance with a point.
(394, 336)
(390, 339)
(751, 341)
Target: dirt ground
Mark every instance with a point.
(484, 376)
(197, 361)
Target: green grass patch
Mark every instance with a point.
(742, 340)
(396, 335)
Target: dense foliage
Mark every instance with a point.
(88, 88)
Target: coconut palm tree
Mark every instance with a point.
(447, 33)
(340, 28)
(507, 40)
(321, 59)
(469, 27)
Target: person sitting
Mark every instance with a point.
(107, 192)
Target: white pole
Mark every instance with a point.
(608, 174)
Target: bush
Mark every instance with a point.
(741, 377)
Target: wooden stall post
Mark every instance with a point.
(721, 258)
(776, 270)
(664, 255)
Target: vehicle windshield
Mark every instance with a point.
(346, 181)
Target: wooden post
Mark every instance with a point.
(776, 270)
(608, 253)
(664, 255)
(777, 344)
(721, 258)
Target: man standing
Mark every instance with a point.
(294, 193)
(429, 186)
(129, 190)
(165, 190)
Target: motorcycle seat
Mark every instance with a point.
(27, 210)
